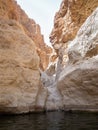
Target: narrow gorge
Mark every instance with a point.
(35, 77)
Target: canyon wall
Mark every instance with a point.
(75, 39)
(78, 83)
(69, 19)
(34, 32)
(70, 80)
(11, 10)
(21, 89)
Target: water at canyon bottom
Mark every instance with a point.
(50, 121)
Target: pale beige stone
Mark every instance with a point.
(78, 82)
(71, 15)
(19, 69)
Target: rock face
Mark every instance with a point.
(19, 64)
(21, 89)
(70, 82)
(10, 10)
(34, 32)
(68, 20)
(78, 81)
(77, 49)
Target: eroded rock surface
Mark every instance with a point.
(69, 19)
(9, 9)
(33, 30)
(78, 82)
(70, 81)
(19, 64)
(21, 89)
(76, 43)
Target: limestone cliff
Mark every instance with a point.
(70, 81)
(78, 83)
(34, 32)
(69, 18)
(75, 40)
(11, 10)
(21, 89)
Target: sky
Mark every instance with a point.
(43, 12)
